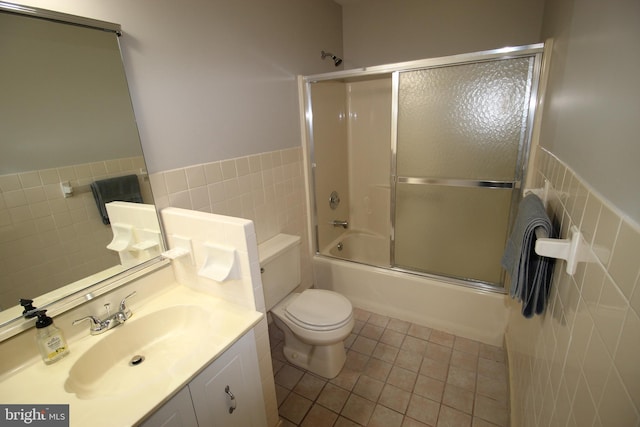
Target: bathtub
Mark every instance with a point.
(464, 311)
(361, 246)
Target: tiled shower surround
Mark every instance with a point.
(577, 365)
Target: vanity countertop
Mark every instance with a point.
(37, 383)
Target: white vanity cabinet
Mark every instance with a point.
(227, 393)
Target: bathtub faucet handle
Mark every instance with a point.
(339, 223)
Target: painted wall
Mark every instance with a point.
(381, 31)
(593, 103)
(213, 80)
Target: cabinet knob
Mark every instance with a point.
(232, 399)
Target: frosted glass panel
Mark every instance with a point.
(451, 231)
(464, 121)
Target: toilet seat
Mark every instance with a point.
(319, 310)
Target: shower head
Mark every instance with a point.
(336, 60)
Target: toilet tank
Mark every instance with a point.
(280, 267)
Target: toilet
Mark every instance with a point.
(315, 322)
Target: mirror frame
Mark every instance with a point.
(67, 302)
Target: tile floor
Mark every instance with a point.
(397, 374)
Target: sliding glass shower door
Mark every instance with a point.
(461, 135)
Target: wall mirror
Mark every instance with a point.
(67, 122)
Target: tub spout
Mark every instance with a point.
(339, 223)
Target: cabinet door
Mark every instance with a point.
(228, 392)
(177, 412)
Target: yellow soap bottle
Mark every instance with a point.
(50, 340)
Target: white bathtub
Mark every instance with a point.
(463, 311)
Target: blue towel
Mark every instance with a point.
(530, 273)
(123, 188)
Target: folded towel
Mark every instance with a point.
(122, 188)
(530, 273)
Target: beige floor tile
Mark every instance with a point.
(395, 398)
(442, 338)
(385, 352)
(287, 423)
(414, 344)
(409, 360)
(358, 409)
(423, 409)
(462, 378)
(372, 331)
(450, 417)
(410, 422)
(398, 325)
(309, 386)
(356, 361)
(458, 398)
(493, 388)
(392, 337)
(333, 397)
(385, 417)
(490, 410)
(492, 352)
(397, 374)
(434, 369)
(346, 379)
(467, 361)
(402, 378)
(429, 387)
(319, 416)
(466, 345)
(281, 394)
(357, 326)
(368, 387)
(364, 345)
(479, 422)
(350, 340)
(492, 369)
(277, 365)
(438, 352)
(288, 376)
(360, 314)
(419, 331)
(378, 369)
(294, 408)
(378, 320)
(345, 422)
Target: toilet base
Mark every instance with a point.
(323, 360)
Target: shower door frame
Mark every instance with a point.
(394, 70)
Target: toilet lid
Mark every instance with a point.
(320, 309)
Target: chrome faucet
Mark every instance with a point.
(339, 223)
(111, 321)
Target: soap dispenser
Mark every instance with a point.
(49, 338)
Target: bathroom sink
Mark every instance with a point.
(141, 353)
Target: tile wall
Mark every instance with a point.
(47, 240)
(577, 365)
(267, 188)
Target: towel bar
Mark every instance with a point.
(573, 250)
